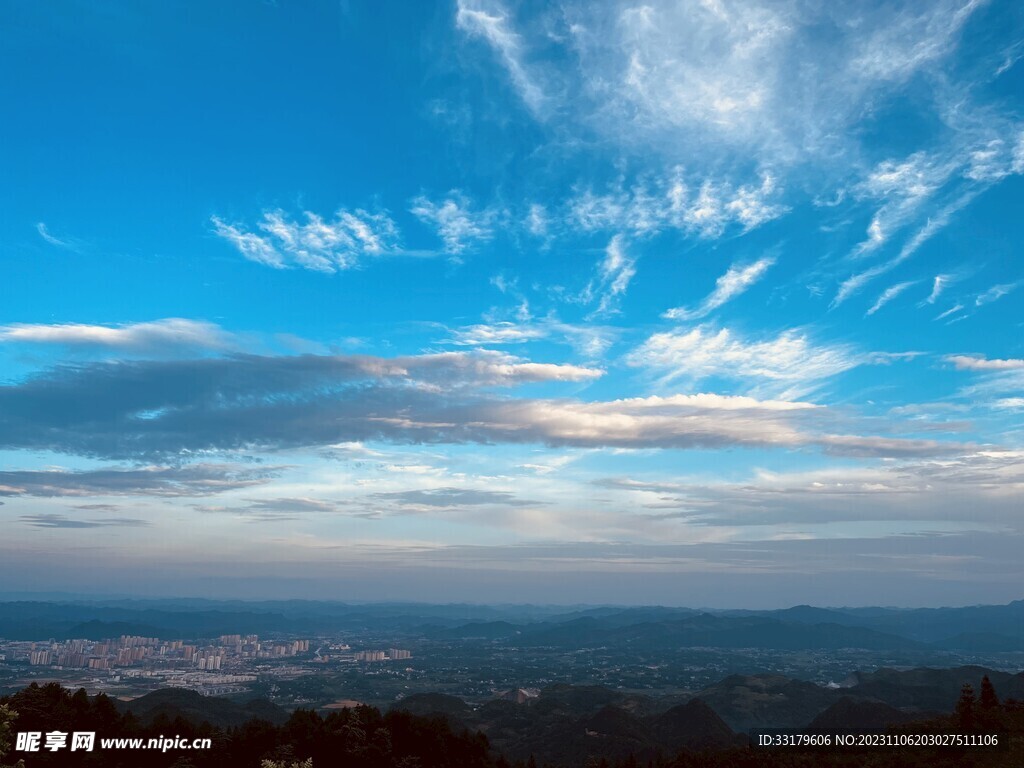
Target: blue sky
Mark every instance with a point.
(709, 303)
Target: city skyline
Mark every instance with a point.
(709, 304)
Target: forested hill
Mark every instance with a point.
(567, 732)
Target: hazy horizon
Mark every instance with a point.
(87, 597)
(703, 304)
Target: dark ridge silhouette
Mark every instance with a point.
(687, 736)
(748, 702)
(930, 690)
(849, 715)
(426, 704)
(218, 712)
(694, 726)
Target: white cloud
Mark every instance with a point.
(537, 223)
(976, 487)
(730, 285)
(939, 284)
(253, 247)
(979, 363)
(140, 409)
(482, 335)
(951, 311)
(907, 42)
(527, 372)
(935, 223)
(615, 272)
(45, 234)
(692, 421)
(995, 293)
(702, 80)
(174, 332)
(316, 244)
(670, 202)
(458, 226)
(1012, 403)
(589, 341)
(549, 465)
(675, 421)
(889, 294)
(905, 186)
(855, 282)
(909, 188)
(480, 368)
(992, 161)
(489, 21)
(788, 363)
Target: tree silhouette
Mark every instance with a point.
(965, 706)
(988, 699)
(7, 718)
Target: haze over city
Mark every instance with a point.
(711, 304)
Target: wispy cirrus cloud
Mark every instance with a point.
(927, 190)
(707, 83)
(459, 226)
(491, 23)
(614, 273)
(50, 238)
(888, 295)
(500, 333)
(955, 309)
(789, 363)
(705, 208)
(316, 243)
(589, 340)
(939, 284)
(703, 81)
(995, 293)
(730, 285)
(905, 185)
(61, 239)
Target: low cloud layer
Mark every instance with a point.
(976, 489)
(139, 410)
(200, 479)
(173, 334)
(61, 521)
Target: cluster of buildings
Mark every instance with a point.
(133, 650)
(392, 654)
(134, 664)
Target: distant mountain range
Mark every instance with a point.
(989, 629)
